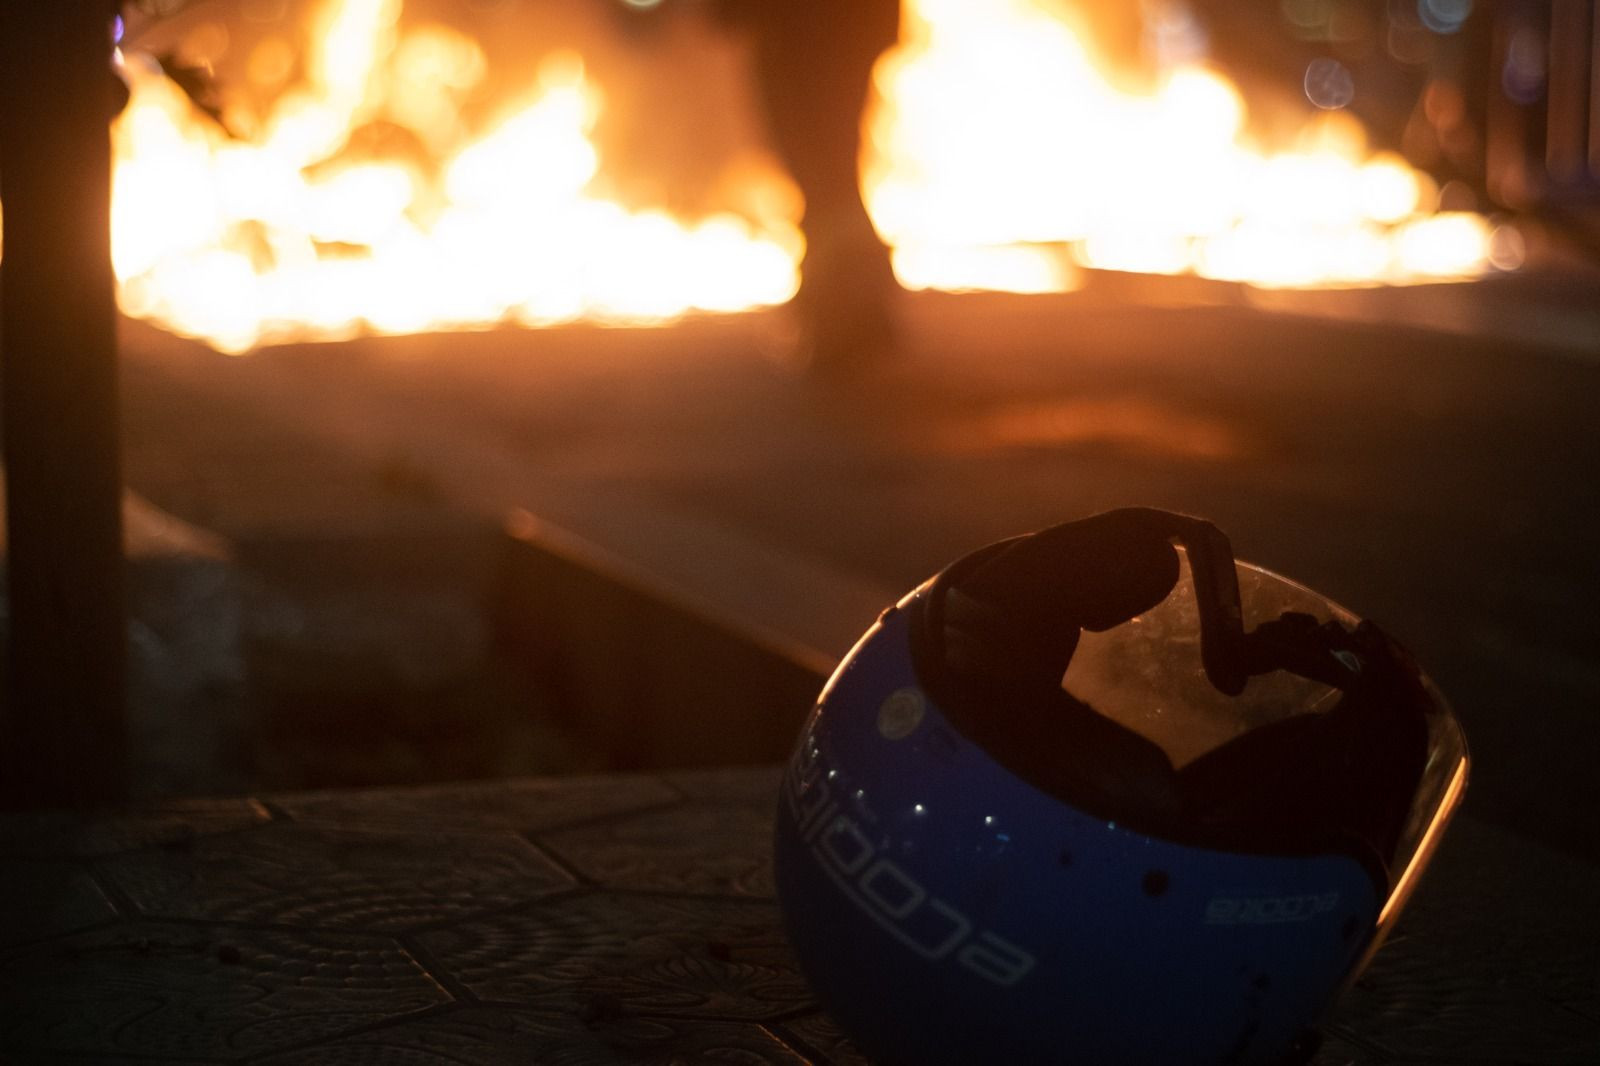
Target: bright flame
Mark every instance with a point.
(997, 137)
(293, 235)
(1000, 156)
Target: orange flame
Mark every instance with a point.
(1002, 156)
(999, 156)
(278, 237)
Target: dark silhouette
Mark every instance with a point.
(813, 68)
(62, 723)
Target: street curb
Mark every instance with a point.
(681, 644)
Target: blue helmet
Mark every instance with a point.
(1060, 805)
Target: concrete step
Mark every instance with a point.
(669, 641)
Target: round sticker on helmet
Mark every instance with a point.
(901, 713)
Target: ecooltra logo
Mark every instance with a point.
(885, 891)
(1269, 910)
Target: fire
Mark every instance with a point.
(1002, 156)
(999, 155)
(290, 234)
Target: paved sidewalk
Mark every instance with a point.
(625, 919)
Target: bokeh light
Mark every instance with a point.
(1329, 83)
(1523, 75)
(1444, 16)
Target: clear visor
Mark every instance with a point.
(1147, 675)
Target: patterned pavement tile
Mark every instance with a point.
(1430, 1004)
(39, 900)
(817, 1034)
(693, 848)
(1336, 1050)
(1497, 960)
(168, 824)
(753, 786)
(629, 955)
(482, 1036)
(317, 877)
(1502, 900)
(173, 991)
(67, 1058)
(260, 940)
(521, 805)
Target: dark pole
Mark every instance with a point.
(62, 728)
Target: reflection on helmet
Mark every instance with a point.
(1086, 796)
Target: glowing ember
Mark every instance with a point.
(1001, 155)
(289, 235)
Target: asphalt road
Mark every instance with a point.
(1444, 484)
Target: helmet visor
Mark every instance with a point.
(1401, 763)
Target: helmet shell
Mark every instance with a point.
(947, 911)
